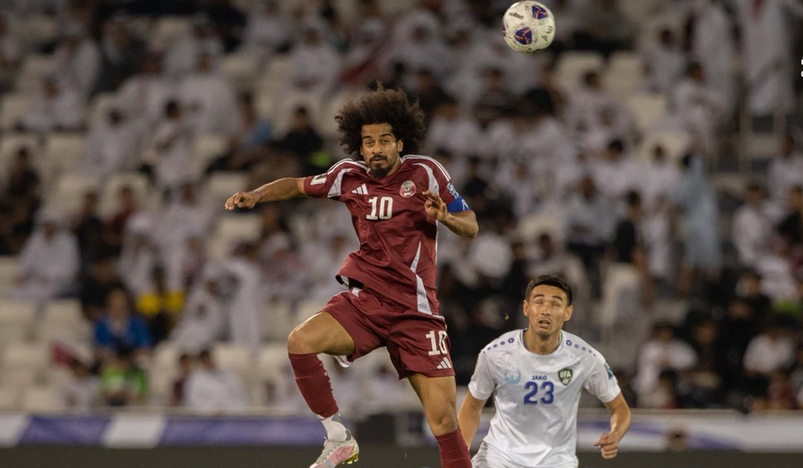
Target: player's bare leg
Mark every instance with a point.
(321, 333)
(438, 395)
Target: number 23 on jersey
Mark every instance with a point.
(547, 387)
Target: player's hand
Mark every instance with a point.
(608, 445)
(435, 206)
(242, 200)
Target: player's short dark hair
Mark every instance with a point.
(389, 106)
(550, 280)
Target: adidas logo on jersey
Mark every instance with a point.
(361, 190)
(445, 364)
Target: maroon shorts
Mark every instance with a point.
(417, 342)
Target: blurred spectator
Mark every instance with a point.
(662, 352)
(212, 389)
(117, 222)
(203, 318)
(315, 63)
(303, 140)
(659, 178)
(700, 217)
(284, 270)
(752, 226)
(182, 57)
(450, 129)
(366, 60)
(495, 100)
(735, 332)
(99, 280)
(616, 173)
(185, 216)
(588, 228)
(603, 28)
(112, 145)
(428, 92)
(791, 226)
(122, 54)
(767, 54)
(786, 170)
(118, 329)
(123, 382)
(59, 107)
(140, 254)
(9, 54)
(143, 96)
(419, 46)
(267, 30)
(664, 61)
(167, 149)
(228, 21)
(160, 302)
(712, 43)
(770, 351)
(699, 104)
(88, 228)
(245, 298)
(77, 61)
(185, 367)
(208, 98)
(49, 261)
(248, 142)
(19, 200)
(588, 102)
(82, 393)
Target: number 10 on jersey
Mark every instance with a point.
(381, 208)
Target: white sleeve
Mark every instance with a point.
(482, 383)
(601, 382)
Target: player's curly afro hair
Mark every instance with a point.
(389, 106)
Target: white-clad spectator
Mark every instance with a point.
(616, 172)
(82, 392)
(659, 177)
(776, 268)
(662, 352)
(243, 286)
(77, 60)
(515, 180)
(713, 44)
(139, 255)
(122, 52)
(143, 96)
(588, 103)
(203, 317)
(418, 45)
(266, 31)
(208, 98)
(609, 125)
(112, 145)
(214, 390)
(350, 386)
(49, 260)
(368, 58)
(767, 52)
(283, 271)
(167, 151)
(315, 63)
(184, 217)
(588, 225)
(665, 62)
(182, 56)
(58, 107)
(552, 258)
(491, 255)
(322, 262)
(452, 130)
(786, 170)
(752, 227)
(657, 231)
(701, 106)
(770, 351)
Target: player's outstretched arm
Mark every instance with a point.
(608, 442)
(281, 189)
(469, 417)
(463, 223)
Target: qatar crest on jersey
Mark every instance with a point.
(565, 375)
(512, 376)
(407, 189)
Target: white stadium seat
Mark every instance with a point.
(647, 110)
(32, 72)
(63, 152)
(277, 321)
(69, 191)
(10, 396)
(168, 30)
(675, 144)
(240, 69)
(42, 400)
(222, 185)
(146, 197)
(17, 314)
(63, 321)
(232, 229)
(235, 358)
(624, 73)
(38, 30)
(100, 106)
(8, 272)
(12, 108)
(207, 148)
(26, 355)
(573, 65)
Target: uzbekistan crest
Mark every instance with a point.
(565, 375)
(407, 189)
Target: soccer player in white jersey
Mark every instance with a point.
(536, 376)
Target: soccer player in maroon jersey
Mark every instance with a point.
(389, 297)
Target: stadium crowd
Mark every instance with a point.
(692, 287)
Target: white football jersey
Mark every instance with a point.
(536, 399)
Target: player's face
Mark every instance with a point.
(547, 309)
(380, 149)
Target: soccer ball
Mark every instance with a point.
(528, 27)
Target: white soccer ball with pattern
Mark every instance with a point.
(528, 26)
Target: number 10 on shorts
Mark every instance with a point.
(439, 344)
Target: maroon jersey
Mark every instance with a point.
(398, 241)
